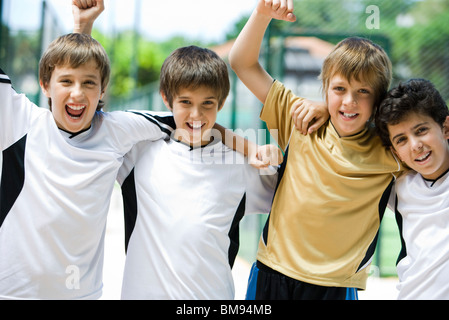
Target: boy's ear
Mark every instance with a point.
(44, 88)
(222, 105)
(446, 128)
(103, 91)
(165, 100)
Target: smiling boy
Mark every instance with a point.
(194, 107)
(322, 231)
(58, 172)
(194, 125)
(184, 197)
(413, 121)
(73, 93)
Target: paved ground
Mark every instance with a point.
(378, 289)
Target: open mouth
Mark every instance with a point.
(75, 111)
(349, 116)
(424, 157)
(196, 125)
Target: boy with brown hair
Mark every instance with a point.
(184, 197)
(58, 171)
(321, 234)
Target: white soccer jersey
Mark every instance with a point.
(54, 197)
(423, 269)
(182, 208)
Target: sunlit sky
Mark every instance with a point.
(207, 20)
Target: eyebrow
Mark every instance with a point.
(188, 97)
(92, 76)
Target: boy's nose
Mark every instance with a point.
(77, 91)
(195, 112)
(349, 100)
(417, 145)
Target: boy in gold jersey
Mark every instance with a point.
(334, 186)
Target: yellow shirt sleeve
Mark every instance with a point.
(276, 113)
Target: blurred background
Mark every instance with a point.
(139, 34)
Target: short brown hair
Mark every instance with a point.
(192, 67)
(74, 50)
(359, 59)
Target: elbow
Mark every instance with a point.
(233, 62)
(236, 60)
(237, 65)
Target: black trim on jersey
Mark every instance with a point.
(4, 80)
(130, 215)
(280, 175)
(129, 196)
(382, 207)
(13, 176)
(191, 148)
(433, 181)
(157, 120)
(398, 216)
(73, 135)
(234, 232)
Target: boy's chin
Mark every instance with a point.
(197, 143)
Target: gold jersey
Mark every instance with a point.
(327, 208)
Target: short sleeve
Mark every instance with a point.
(16, 113)
(276, 113)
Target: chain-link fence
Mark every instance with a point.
(22, 44)
(416, 31)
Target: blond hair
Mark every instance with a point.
(362, 60)
(74, 50)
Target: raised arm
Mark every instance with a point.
(244, 56)
(85, 12)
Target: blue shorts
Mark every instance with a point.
(265, 283)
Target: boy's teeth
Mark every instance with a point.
(76, 107)
(423, 157)
(75, 111)
(196, 125)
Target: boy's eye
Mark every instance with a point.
(399, 140)
(421, 130)
(364, 91)
(90, 83)
(209, 104)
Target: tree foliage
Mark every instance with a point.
(418, 31)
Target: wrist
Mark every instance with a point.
(83, 28)
(262, 16)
